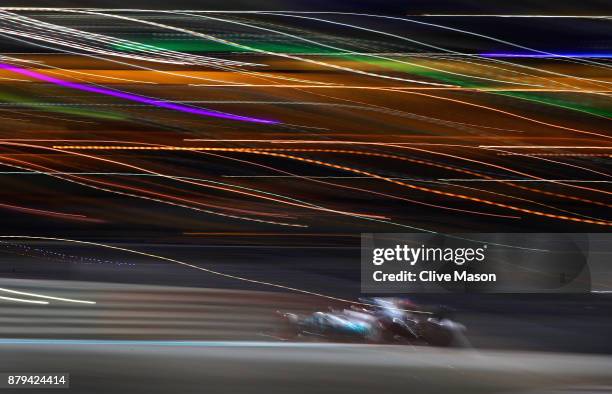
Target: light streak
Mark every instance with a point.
(249, 48)
(46, 296)
(348, 52)
(159, 200)
(213, 272)
(543, 16)
(398, 178)
(268, 152)
(131, 97)
(525, 180)
(456, 195)
(559, 154)
(208, 149)
(295, 14)
(465, 156)
(544, 147)
(317, 180)
(506, 113)
(186, 180)
(24, 301)
(373, 87)
(43, 212)
(239, 234)
(87, 41)
(549, 55)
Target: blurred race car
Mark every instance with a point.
(336, 326)
(377, 320)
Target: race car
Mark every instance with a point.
(378, 320)
(336, 326)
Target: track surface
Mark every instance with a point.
(258, 367)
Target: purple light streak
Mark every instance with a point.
(551, 55)
(131, 97)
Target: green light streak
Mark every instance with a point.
(62, 109)
(188, 45)
(557, 102)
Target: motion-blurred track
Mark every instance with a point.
(249, 367)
